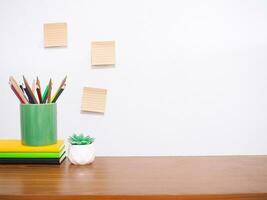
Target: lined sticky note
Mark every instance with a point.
(55, 35)
(103, 53)
(94, 99)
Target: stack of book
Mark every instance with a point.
(13, 152)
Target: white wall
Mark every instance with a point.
(190, 77)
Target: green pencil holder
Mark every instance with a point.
(38, 124)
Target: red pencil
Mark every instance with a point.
(14, 90)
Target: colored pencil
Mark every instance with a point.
(16, 93)
(49, 91)
(18, 89)
(29, 95)
(60, 86)
(33, 87)
(58, 94)
(30, 91)
(26, 94)
(23, 91)
(44, 97)
(21, 87)
(39, 93)
(38, 90)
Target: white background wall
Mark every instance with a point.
(190, 77)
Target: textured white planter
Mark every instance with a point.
(81, 154)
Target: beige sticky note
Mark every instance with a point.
(55, 35)
(103, 53)
(94, 99)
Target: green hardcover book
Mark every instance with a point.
(56, 161)
(32, 154)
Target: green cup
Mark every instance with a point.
(38, 124)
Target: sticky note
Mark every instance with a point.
(55, 35)
(94, 99)
(103, 53)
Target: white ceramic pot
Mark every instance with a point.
(81, 154)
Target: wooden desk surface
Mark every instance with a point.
(223, 177)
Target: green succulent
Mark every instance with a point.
(80, 139)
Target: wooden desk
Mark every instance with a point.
(109, 178)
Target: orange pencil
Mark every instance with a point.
(49, 91)
(38, 90)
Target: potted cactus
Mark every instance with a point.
(81, 149)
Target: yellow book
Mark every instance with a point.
(17, 146)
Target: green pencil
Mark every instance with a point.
(58, 94)
(44, 97)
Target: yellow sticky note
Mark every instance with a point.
(55, 35)
(94, 100)
(103, 53)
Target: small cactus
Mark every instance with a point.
(80, 139)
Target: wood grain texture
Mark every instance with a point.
(103, 53)
(194, 178)
(55, 35)
(94, 100)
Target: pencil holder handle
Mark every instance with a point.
(38, 124)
